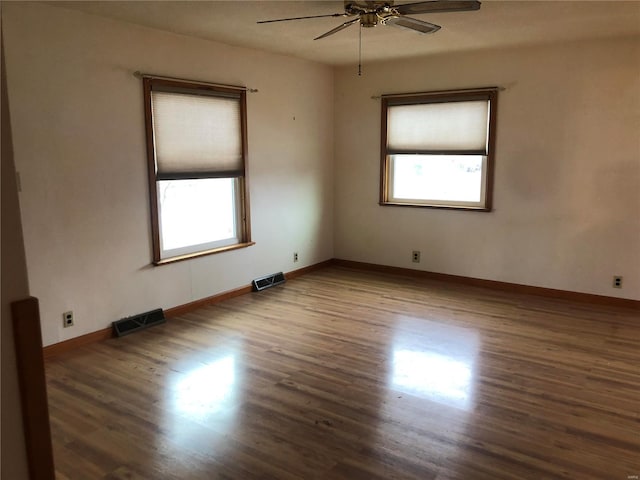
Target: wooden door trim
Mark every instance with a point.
(33, 388)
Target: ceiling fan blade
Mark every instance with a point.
(304, 18)
(412, 24)
(337, 29)
(436, 6)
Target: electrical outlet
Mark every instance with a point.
(415, 256)
(295, 256)
(617, 282)
(67, 319)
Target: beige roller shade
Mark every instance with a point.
(439, 127)
(196, 135)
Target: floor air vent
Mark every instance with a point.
(268, 281)
(138, 322)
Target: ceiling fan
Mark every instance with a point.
(371, 13)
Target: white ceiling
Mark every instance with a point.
(497, 24)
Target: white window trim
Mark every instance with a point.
(440, 203)
(166, 254)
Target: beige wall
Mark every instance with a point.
(567, 182)
(14, 286)
(79, 147)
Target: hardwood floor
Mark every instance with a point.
(344, 374)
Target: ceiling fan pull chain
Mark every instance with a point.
(360, 50)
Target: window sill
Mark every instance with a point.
(445, 207)
(203, 253)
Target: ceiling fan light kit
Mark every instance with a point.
(371, 13)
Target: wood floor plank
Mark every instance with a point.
(346, 374)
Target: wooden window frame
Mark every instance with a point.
(179, 86)
(490, 94)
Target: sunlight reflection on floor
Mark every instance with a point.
(438, 366)
(208, 389)
(433, 376)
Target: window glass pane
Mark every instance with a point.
(438, 126)
(196, 133)
(197, 212)
(443, 178)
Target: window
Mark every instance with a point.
(437, 149)
(196, 149)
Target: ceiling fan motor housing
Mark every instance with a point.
(358, 8)
(369, 20)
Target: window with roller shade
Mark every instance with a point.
(196, 143)
(437, 149)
